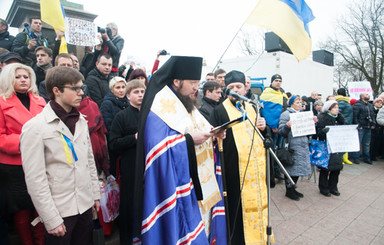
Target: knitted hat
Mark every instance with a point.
(292, 99)
(342, 91)
(352, 101)
(234, 77)
(328, 105)
(276, 76)
(378, 99)
(318, 102)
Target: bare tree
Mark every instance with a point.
(359, 43)
(251, 42)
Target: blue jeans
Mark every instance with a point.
(365, 141)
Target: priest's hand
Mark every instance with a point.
(221, 134)
(200, 137)
(261, 124)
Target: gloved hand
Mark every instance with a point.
(325, 130)
(268, 142)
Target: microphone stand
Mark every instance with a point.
(268, 152)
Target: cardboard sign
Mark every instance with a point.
(356, 88)
(302, 123)
(343, 138)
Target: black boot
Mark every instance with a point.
(290, 193)
(298, 193)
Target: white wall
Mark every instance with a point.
(298, 77)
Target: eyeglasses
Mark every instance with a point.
(75, 88)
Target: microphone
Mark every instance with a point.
(238, 96)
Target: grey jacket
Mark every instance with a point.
(300, 145)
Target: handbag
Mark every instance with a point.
(319, 153)
(109, 198)
(285, 155)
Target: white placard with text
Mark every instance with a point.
(302, 123)
(343, 138)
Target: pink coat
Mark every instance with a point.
(13, 115)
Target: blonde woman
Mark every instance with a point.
(19, 103)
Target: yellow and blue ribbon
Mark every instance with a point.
(67, 144)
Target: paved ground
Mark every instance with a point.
(355, 217)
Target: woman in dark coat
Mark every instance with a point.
(115, 101)
(300, 146)
(329, 178)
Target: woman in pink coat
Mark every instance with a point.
(19, 103)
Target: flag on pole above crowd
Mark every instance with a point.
(52, 13)
(289, 20)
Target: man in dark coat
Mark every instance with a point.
(122, 140)
(212, 95)
(247, 220)
(97, 80)
(6, 40)
(364, 116)
(26, 42)
(111, 43)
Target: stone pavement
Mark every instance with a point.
(354, 217)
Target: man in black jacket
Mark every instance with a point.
(26, 42)
(111, 43)
(363, 115)
(97, 80)
(6, 40)
(212, 95)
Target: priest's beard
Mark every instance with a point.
(188, 102)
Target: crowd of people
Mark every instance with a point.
(65, 124)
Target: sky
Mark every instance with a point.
(197, 28)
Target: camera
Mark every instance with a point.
(163, 52)
(105, 30)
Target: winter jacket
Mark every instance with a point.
(97, 85)
(345, 108)
(20, 46)
(206, 107)
(300, 146)
(6, 40)
(111, 106)
(336, 159)
(363, 114)
(13, 115)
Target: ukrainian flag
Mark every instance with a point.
(52, 13)
(289, 20)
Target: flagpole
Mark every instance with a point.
(228, 46)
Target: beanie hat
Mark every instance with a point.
(377, 99)
(234, 77)
(292, 99)
(328, 105)
(318, 102)
(342, 91)
(276, 76)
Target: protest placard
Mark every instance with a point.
(302, 123)
(80, 32)
(356, 88)
(343, 138)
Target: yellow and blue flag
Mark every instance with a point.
(52, 13)
(289, 20)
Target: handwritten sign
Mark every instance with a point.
(302, 123)
(356, 88)
(80, 32)
(343, 138)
